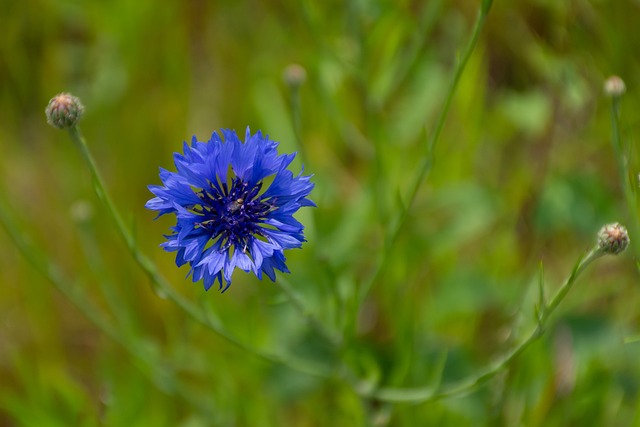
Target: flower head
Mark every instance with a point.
(613, 238)
(294, 75)
(614, 86)
(64, 111)
(234, 204)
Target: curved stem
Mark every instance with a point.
(427, 161)
(623, 172)
(163, 285)
(52, 272)
(304, 311)
(426, 394)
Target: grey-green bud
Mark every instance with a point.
(614, 86)
(613, 238)
(294, 75)
(64, 111)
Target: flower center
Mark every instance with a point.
(232, 214)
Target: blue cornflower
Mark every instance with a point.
(234, 204)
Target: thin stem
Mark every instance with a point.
(163, 285)
(425, 394)
(296, 118)
(427, 161)
(623, 173)
(94, 261)
(304, 311)
(53, 274)
(343, 370)
(282, 283)
(159, 374)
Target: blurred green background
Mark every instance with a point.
(524, 172)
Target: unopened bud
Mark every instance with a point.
(294, 75)
(613, 238)
(64, 111)
(81, 211)
(614, 86)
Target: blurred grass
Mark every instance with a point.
(524, 172)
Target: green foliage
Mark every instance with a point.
(523, 173)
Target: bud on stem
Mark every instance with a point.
(64, 111)
(614, 86)
(613, 239)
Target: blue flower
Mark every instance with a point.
(234, 203)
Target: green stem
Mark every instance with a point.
(425, 394)
(94, 261)
(623, 173)
(304, 311)
(159, 374)
(344, 371)
(296, 118)
(163, 285)
(101, 192)
(427, 161)
(52, 272)
(299, 304)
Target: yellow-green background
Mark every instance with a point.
(524, 172)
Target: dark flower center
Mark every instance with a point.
(233, 213)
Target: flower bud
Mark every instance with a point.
(614, 86)
(81, 211)
(294, 75)
(613, 239)
(64, 111)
